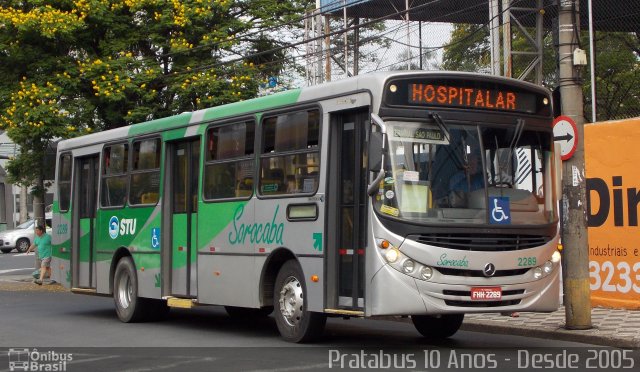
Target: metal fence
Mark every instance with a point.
(616, 52)
(350, 37)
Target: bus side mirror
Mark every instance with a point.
(375, 151)
(557, 165)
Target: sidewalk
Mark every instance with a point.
(17, 283)
(611, 327)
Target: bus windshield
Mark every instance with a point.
(474, 173)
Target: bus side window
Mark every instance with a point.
(113, 192)
(290, 158)
(144, 182)
(229, 161)
(64, 182)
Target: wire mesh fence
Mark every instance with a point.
(516, 38)
(616, 52)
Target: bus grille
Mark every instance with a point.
(481, 242)
(479, 273)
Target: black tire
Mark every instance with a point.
(437, 327)
(6, 250)
(247, 312)
(129, 307)
(294, 322)
(22, 245)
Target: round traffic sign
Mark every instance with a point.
(565, 132)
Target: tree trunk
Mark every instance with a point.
(24, 213)
(38, 202)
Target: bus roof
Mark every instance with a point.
(367, 82)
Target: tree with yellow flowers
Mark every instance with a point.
(70, 67)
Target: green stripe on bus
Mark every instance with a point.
(160, 124)
(257, 104)
(213, 219)
(85, 239)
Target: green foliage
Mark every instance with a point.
(468, 50)
(75, 66)
(617, 76)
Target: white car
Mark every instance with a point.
(19, 238)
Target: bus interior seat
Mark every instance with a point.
(244, 187)
(149, 198)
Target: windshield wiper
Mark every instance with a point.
(516, 135)
(512, 145)
(436, 117)
(452, 154)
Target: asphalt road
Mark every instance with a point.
(16, 263)
(85, 331)
(206, 338)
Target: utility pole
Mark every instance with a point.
(577, 298)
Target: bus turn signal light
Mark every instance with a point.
(384, 244)
(314, 278)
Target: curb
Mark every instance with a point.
(560, 333)
(589, 336)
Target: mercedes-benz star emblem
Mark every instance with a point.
(489, 269)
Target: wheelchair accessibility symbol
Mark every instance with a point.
(500, 212)
(155, 238)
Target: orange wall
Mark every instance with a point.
(612, 155)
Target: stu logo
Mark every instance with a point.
(114, 226)
(125, 226)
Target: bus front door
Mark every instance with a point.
(347, 237)
(84, 220)
(184, 166)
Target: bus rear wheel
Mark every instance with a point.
(129, 307)
(294, 321)
(437, 326)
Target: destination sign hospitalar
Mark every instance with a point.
(469, 97)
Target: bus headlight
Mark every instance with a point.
(547, 267)
(400, 262)
(408, 266)
(426, 273)
(392, 255)
(555, 257)
(537, 273)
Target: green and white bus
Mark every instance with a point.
(429, 194)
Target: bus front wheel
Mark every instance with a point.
(294, 321)
(437, 326)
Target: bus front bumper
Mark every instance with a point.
(394, 293)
